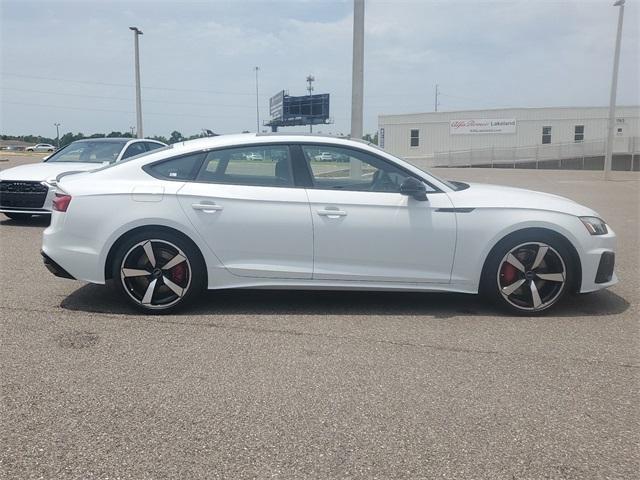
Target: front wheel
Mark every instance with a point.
(528, 277)
(158, 271)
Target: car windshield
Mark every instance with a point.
(89, 152)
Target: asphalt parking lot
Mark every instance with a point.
(260, 384)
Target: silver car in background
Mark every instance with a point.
(24, 191)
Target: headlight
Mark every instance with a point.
(595, 225)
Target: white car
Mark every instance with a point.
(24, 191)
(41, 147)
(200, 215)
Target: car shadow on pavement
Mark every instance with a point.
(39, 221)
(100, 299)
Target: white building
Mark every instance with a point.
(520, 134)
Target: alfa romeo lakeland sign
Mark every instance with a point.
(482, 125)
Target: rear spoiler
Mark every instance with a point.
(50, 182)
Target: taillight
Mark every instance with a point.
(61, 202)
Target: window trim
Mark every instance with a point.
(547, 134)
(576, 134)
(302, 176)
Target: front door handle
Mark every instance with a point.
(207, 207)
(331, 213)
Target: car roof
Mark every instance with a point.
(115, 139)
(248, 139)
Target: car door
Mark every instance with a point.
(365, 230)
(250, 212)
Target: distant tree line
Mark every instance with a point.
(174, 137)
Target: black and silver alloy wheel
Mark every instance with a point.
(532, 276)
(155, 273)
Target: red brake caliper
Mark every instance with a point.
(178, 273)
(508, 273)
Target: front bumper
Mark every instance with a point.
(598, 261)
(10, 202)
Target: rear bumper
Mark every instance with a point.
(54, 268)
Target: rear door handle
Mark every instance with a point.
(207, 207)
(327, 212)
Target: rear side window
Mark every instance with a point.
(153, 145)
(265, 166)
(134, 149)
(181, 168)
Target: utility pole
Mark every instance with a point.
(57, 125)
(357, 75)
(614, 87)
(132, 130)
(136, 33)
(436, 102)
(257, 103)
(310, 80)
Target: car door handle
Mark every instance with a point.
(207, 207)
(332, 213)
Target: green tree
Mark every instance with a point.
(176, 137)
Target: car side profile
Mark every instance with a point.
(24, 191)
(204, 214)
(41, 147)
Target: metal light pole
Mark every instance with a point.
(437, 95)
(614, 88)
(357, 83)
(57, 125)
(310, 80)
(257, 103)
(136, 33)
(357, 75)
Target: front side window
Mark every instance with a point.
(266, 166)
(578, 135)
(415, 138)
(546, 135)
(351, 170)
(89, 152)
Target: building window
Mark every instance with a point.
(578, 135)
(546, 135)
(415, 138)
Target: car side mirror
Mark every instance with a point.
(412, 187)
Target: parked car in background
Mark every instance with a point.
(200, 214)
(41, 147)
(24, 191)
(324, 157)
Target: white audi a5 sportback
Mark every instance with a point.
(262, 211)
(24, 191)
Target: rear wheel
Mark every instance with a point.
(158, 271)
(528, 277)
(19, 217)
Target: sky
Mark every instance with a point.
(72, 62)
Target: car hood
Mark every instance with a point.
(38, 172)
(480, 195)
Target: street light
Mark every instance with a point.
(310, 80)
(57, 125)
(257, 103)
(614, 87)
(136, 33)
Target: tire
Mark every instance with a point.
(160, 290)
(528, 273)
(19, 217)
